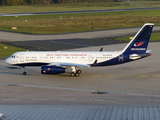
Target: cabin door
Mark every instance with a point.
(21, 57)
(90, 59)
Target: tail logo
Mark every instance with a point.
(138, 44)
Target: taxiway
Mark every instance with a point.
(135, 83)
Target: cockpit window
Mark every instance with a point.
(13, 56)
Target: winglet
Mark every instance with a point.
(95, 62)
(101, 49)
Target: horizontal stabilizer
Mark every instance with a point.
(148, 51)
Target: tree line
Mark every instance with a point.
(48, 2)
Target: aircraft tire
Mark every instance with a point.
(72, 74)
(24, 73)
(79, 72)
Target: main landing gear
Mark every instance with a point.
(23, 68)
(75, 71)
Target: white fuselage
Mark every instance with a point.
(60, 57)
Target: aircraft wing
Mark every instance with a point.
(67, 64)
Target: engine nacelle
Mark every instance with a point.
(52, 70)
(134, 56)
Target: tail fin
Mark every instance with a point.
(139, 43)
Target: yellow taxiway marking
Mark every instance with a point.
(110, 75)
(155, 75)
(143, 75)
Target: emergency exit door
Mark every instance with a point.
(121, 58)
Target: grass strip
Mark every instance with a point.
(63, 23)
(148, 3)
(154, 37)
(6, 50)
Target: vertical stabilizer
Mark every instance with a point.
(139, 43)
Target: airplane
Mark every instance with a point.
(55, 62)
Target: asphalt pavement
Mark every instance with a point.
(80, 11)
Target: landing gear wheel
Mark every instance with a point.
(24, 73)
(77, 74)
(75, 71)
(72, 74)
(79, 71)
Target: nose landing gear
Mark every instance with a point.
(23, 68)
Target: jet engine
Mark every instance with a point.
(134, 56)
(52, 70)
